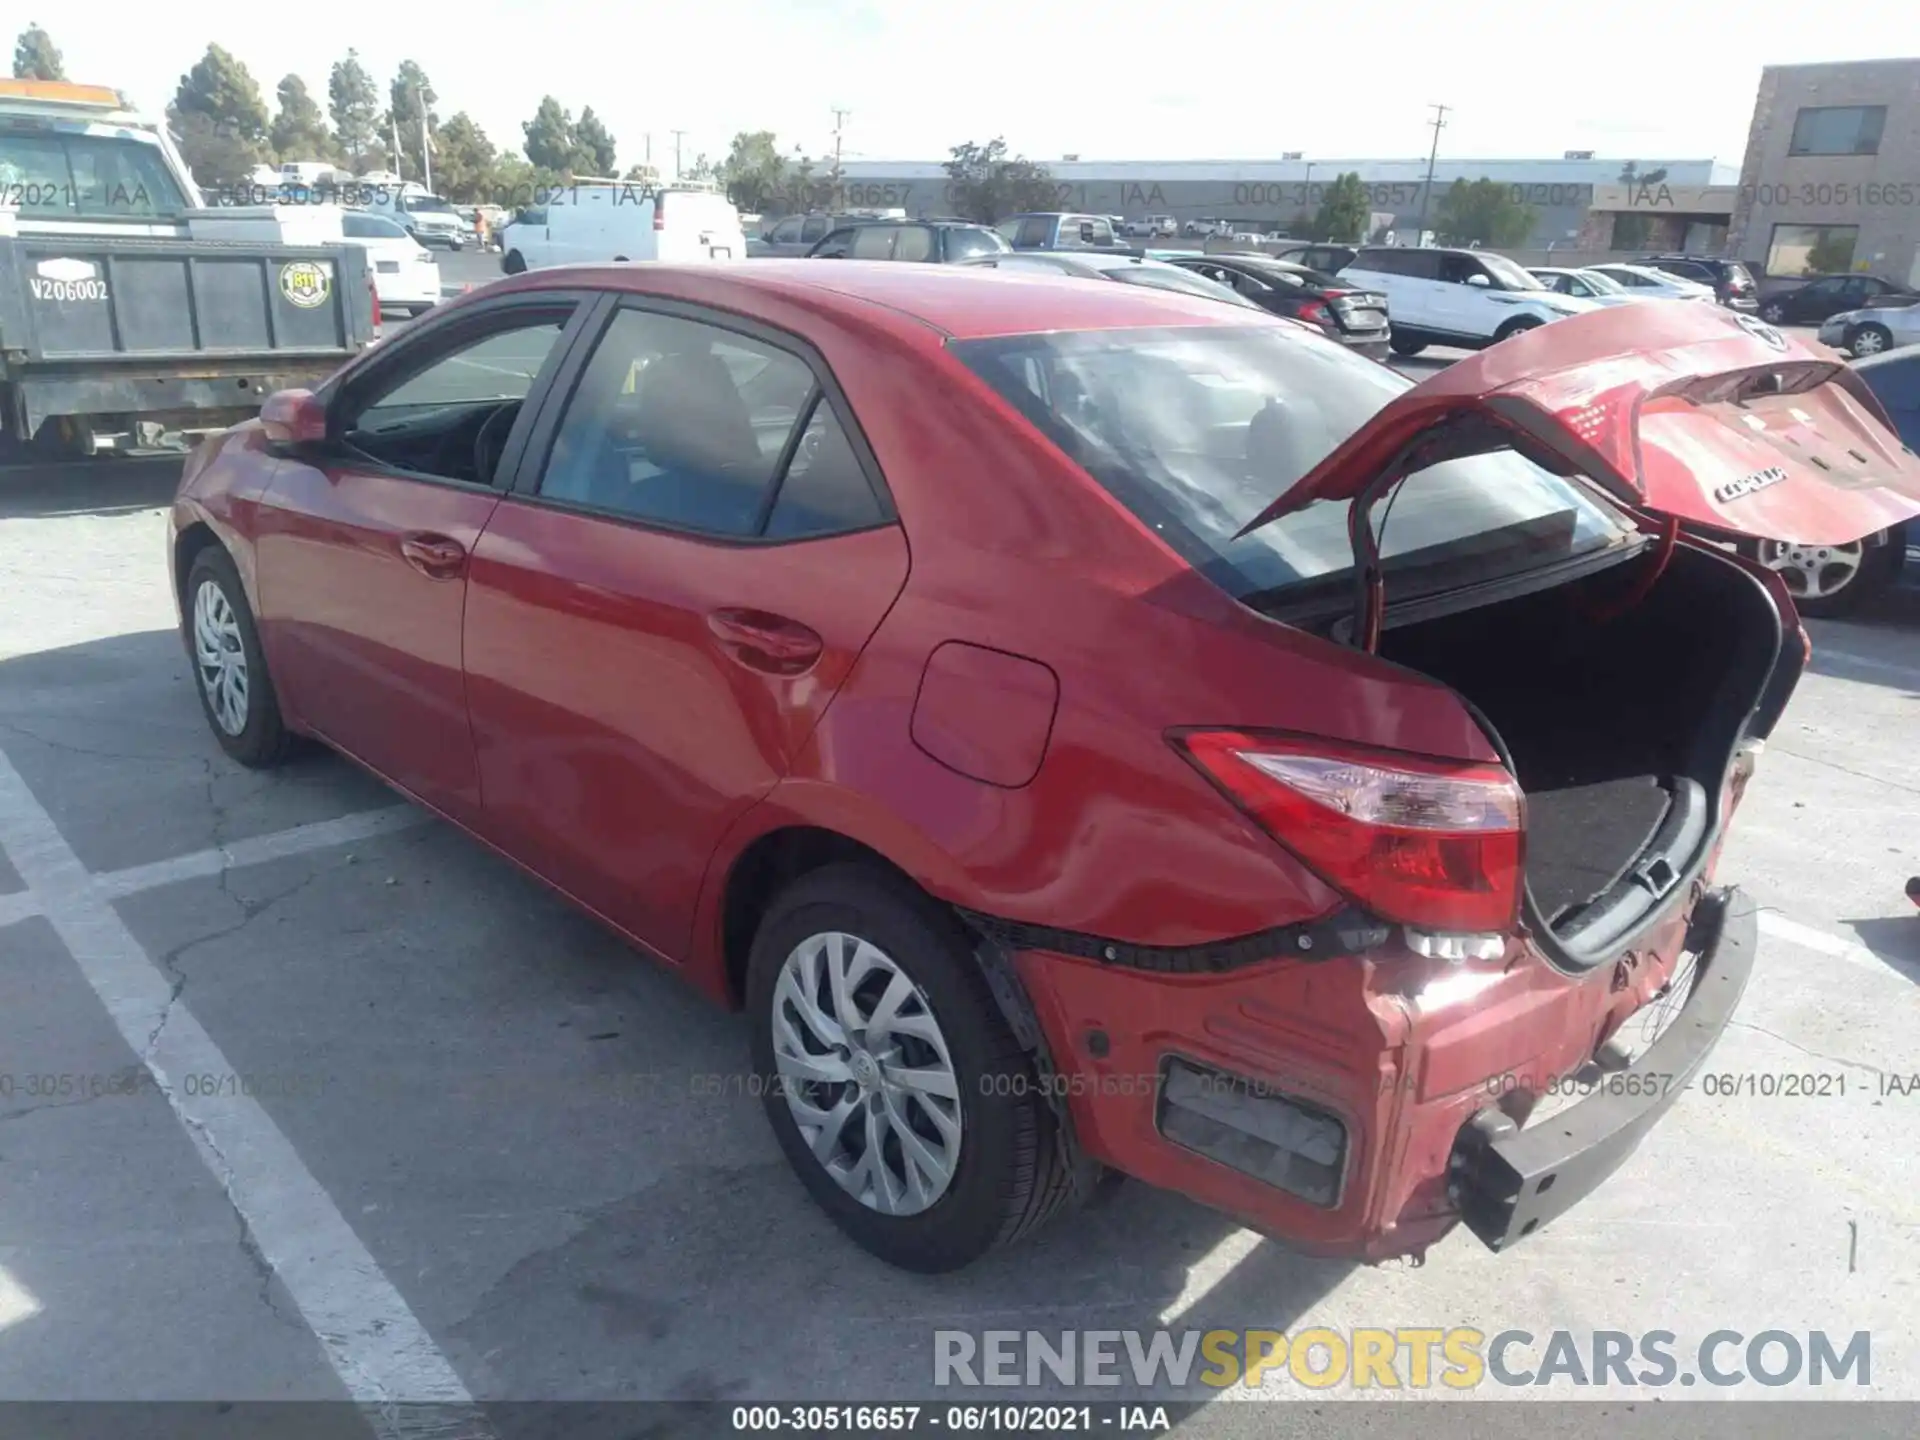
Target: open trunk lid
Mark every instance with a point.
(1692, 411)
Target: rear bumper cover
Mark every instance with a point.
(1509, 1182)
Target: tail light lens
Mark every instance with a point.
(1430, 843)
(1312, 311)
(373, 297)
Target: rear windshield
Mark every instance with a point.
(1172, 277)
(1164, 419)
(50, 174)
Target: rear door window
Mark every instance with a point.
(913, 242)
(815, 228)
(873, 242)
(1036, 232)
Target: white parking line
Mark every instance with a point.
(1842, 661)
(258, 849)
(379, 1349)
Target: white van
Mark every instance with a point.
(612, 220)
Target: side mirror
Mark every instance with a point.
(1479, 280)
(293, 417)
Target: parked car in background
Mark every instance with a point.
(971, 681)
(1127, 269)
(1585, 285)
(1872, 329)
(591, 221)
(429, 218)
(1651, 284)
(1059, 230)
(1465, 298)
(1356, 318)
(405, 275)
(1329, 259)
(1731, 281)
(1153, 227)
(795, 235)
(1827, 295)
(927, 242)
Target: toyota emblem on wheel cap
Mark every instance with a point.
(1760, 330)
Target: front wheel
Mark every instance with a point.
(229, 667)
(1517, 327)
(1869, 339)
(1833, 580)
(1774, 313)
(891, 1079)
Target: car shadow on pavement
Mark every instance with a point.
(1895, 941)
(550, 1146)
(107, 486)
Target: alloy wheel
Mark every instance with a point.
(1814, 572)
(1773, 314)
(220, 655)
(866, 1073)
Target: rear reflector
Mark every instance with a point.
(1254, 1129)
(1430, 843)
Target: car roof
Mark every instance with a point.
(962, 302)
(1251, 262)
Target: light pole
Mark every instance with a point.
(1439, 123)
(426, 138)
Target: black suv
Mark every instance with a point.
(1823, 296)
(928, 242)
(1731, 281)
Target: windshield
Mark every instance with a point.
(963, 243)
(418, 203)
(1506, 273)
(1172, 277)
(1196, 430)
(1604, 283)
(54, 175)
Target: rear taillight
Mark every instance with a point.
(1311, 310)
(1431, 843)
(373, 298)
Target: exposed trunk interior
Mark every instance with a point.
(1620, 729)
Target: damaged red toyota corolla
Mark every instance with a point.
(1083, 726)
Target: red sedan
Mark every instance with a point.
(1085, 727)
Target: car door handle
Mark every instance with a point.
(769, 643)
(434, 556)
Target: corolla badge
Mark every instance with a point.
(1760, 330)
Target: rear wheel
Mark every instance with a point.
(1773, 312)
(891, 1079)
(1869, 339)
(1517, 327)
(1831, 580)
(513, 262)
(1404, 344)
(229, 668)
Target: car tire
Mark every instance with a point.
(1879, 567)
(1773, 312)
(1006, 1170)
(1869, 339)
(513, 263)
(229, 667)
(1516, 327)
(1404, 344)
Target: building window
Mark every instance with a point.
(1811, 249)
(1838, 130)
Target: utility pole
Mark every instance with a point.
(426, 139)
(1439, 123)
(393, 124)
(677, 134)
(839, 122)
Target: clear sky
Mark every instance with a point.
(1100, 78)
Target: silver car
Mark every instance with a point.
(1872, 330)
(1650, 284)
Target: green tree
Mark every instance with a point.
(217, 155)
(1482, 211)
(411, 96)
(753, 171)
(354, 102)
(299, 130)
(1343, 213)
(549, 136)
(988, 185)
(221, 120)
(517, 182)
(34, 56)
(593, 147)
(464, 161)
(1832, 252)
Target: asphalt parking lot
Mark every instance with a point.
(426, 1133)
